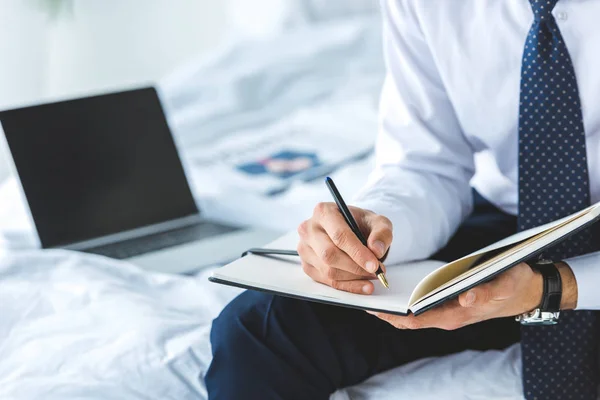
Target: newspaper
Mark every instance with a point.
(267, 160)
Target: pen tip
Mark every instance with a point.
(383, 280)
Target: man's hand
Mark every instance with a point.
(514, 292)
(332, 254)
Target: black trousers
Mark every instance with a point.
(270, 347)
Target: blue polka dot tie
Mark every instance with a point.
(561, 361)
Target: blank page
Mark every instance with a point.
(284, 275)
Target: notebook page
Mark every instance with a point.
(284, 275)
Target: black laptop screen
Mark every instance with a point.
(97, 166)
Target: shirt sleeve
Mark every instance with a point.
(586, 269)
(424, 162)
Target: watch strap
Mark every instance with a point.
(552, 291)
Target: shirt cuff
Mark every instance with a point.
(400, 249)
(586, 269)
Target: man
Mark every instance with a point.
(516, 77)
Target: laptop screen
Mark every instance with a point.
(97, 166)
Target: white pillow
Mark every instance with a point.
(262, 18)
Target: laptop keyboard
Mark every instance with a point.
(134, 247)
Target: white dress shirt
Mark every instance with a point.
(450, 113)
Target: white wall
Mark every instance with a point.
(61, 48)
(24, 29)
(56, 48)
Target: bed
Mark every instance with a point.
(76, 326)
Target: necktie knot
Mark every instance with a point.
(542, 9)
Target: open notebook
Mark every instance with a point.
(414, 287)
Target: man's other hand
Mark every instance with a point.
(514, 292)
(332, 254)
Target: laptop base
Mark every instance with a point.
(218, 250)
(162, 240)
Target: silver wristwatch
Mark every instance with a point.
(538, 317)
(548, 311)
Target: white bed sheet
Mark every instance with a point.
(79, 326)
(76, 326)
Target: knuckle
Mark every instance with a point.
(303, 228)
(305, 268)
(385, 234)
(301, 248)
(332, 274)
(385, 222)
(321, 209)
(339, 237)
(357, 270)
(356, 253)
(329, 255)
(388, 235)
(336, 285)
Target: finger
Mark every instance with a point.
(478, 296)
(303, 229)
(380, 234)
(308, 255)
(342, 236)
(393, 320)
(495, 291)
(356, 286)
(333, 273)
(448, 316)
(331, 257)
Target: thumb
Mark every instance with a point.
(380, 235)
(476, 296)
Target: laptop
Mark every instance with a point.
(102, 175)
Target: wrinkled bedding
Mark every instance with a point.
(78, 326)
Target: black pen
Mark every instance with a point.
(337, 197)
